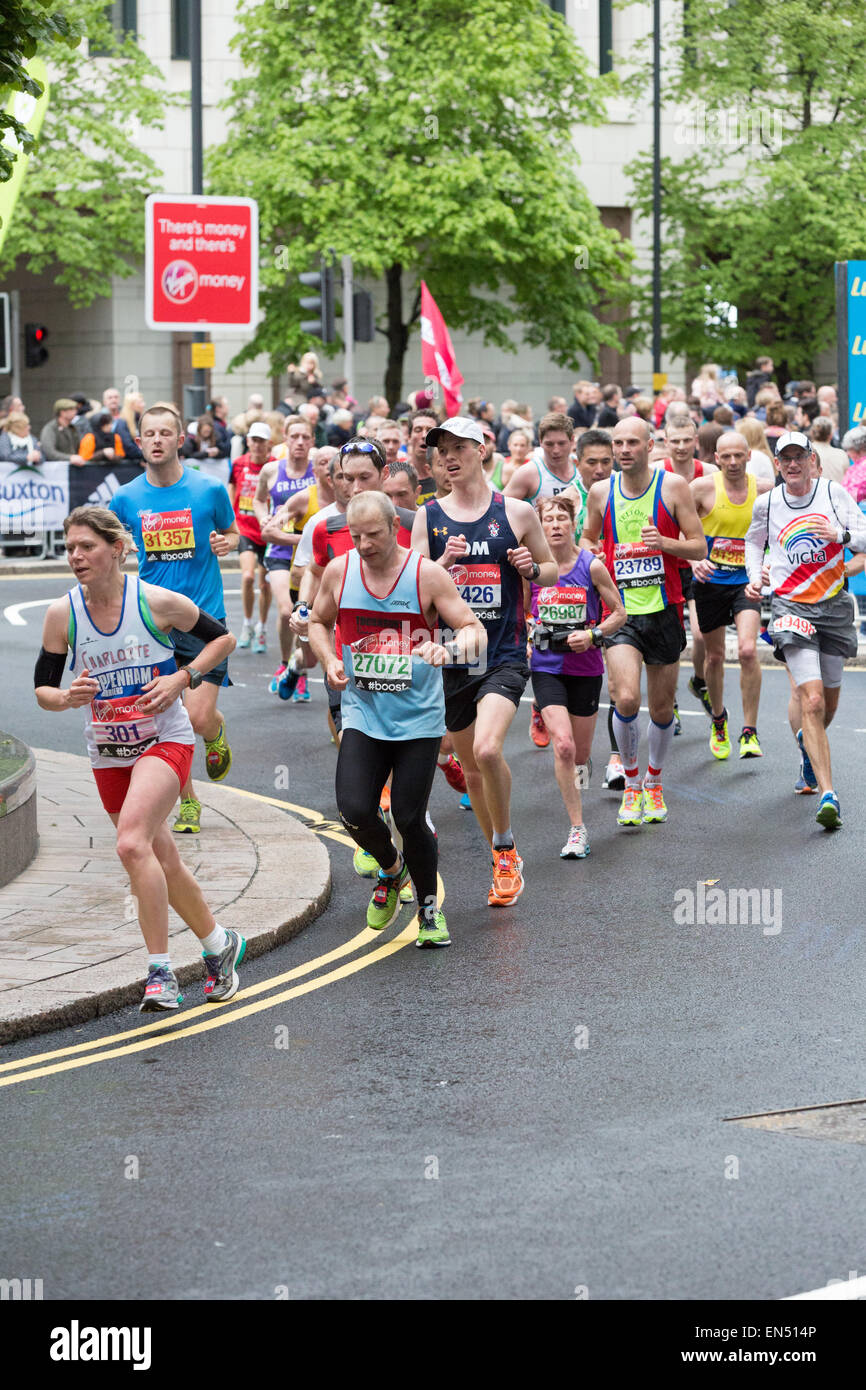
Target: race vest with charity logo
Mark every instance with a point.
(803, 567)
(117, 732)
(573, 602)
(485, 578)
(391, 694)
(648, 578)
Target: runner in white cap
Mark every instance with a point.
(806, 522)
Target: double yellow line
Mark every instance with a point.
(172, 1029)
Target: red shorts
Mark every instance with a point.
(112, 783)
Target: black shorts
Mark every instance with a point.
(335, 705)
(464, 688)
(579, 694)
(659, 637)
(718, 604)
(687, 582)
(187, 648)
(246, 544)
(278, 562)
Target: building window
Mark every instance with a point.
(605, 36)
(558, 6)
(179, 28)
(123, 18)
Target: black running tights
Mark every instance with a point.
(363, 766)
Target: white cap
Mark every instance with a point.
(792, 437)
(259, 431)
(462, 425)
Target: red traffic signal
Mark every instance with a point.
(35, 352)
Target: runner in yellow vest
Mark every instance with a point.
(724, 503)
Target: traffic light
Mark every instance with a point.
(35, 352)
(322, 303)
(362, 316)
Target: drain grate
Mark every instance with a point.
(844, 1121)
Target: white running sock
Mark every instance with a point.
(216, 943)
(158, 961)
(627, 735)
(660, 736)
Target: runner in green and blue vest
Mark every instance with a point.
(640, 513)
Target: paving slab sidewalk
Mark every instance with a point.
(70, 945)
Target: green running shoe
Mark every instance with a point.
(218, 756)
(385, 903)
(432, 929)
(720, 740)
(364, 864)
(749, 745)
(188, 817)
(161, 991)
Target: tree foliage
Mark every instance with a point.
(25, 28)
(426, 139)
(81, 205)
(765, 189)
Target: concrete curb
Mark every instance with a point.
(283, 883)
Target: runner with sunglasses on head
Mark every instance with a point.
(386, 602)
(488, 542)
(138, 733)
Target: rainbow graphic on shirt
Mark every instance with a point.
(819, 565)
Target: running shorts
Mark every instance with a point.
(687, 583)
(112, 783)
(277, 564)
(659, 637)
(464, 689)
(579, 694)
(827, 627)
(246, 544)
(718, 604)
(187, 648)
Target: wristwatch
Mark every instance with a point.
(195, 677)
(597, 637)
(846, 537)
(536, 569)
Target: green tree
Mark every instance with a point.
(24, 28)
(427, 139)
(765, 189)
(81, 204)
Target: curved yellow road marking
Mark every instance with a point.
(26, 1068)
(407, 935)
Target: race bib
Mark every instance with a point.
(637, 566)
(729, 552)
(481, 587)
(790, 622)
(381, 664)
(168, 535)
(245, 503)
(562, 604)
(120, 729)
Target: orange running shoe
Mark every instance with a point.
(453, 771)
(507, 878)
(538, 729)
(385, 801)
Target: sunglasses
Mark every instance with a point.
(366, 448)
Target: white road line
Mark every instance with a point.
(844, 1290)
(12, 614)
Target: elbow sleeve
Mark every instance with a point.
(49, 669)
(207, 628)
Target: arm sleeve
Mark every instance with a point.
(756, 538)
(49, 669)
(850, 516)
(207, 627)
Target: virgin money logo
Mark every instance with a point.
(179, 282)
(149, 521)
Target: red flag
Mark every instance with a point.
(437, 354)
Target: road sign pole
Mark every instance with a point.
(199, 378)
(15, 339)
(348, 326)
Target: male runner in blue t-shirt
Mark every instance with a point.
(182, 521)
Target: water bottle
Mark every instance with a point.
(304, 615)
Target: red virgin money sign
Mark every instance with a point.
(201, 262)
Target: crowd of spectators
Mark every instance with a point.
(86, 431)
